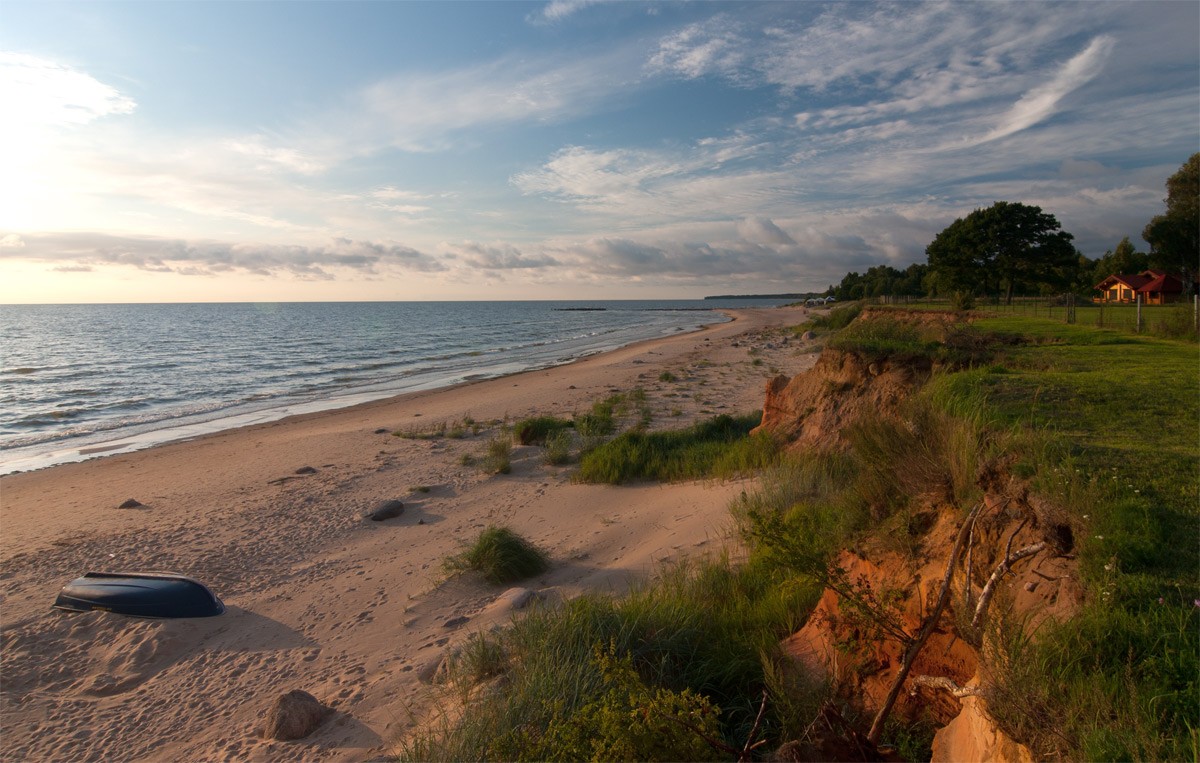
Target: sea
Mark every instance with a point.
(82, 381)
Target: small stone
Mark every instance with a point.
(1031, 586)
(306, 470)
(381, 430)
(132, 503)
(455, 622)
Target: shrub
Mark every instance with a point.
(631, 721)
(667, 376)
(962, 301)
(501, 556)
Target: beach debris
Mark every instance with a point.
(294, 715)
(306, 470)
(132, 503)
(382, 430)
(386, 510)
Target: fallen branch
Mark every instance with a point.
(941, 682)
(1010, 559)
(910, 654)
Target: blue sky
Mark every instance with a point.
(178, 151)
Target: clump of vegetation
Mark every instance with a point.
(667, 376)
(501, 556)
(535, 430)
(558, 448)
(836, 319)
(962, 301)
(453, 430)
(631, 721)
(595, 678)
(497, 459)
(720, 447)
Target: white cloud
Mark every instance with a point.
(37, 91)
(557, 10)
(1039, 103)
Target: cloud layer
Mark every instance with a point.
(776, 147)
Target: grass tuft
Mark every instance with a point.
(501, 556)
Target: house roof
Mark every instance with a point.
(1164, 282)
(1144, 282)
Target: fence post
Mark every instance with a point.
(1139, 314)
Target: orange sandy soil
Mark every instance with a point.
(318, 598)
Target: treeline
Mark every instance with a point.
(1012, 249)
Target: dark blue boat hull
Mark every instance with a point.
(139, 594)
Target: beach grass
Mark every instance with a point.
(716, 448)
(501, 556)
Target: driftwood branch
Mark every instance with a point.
(941, 682)
(910, 654)
(1010, 559)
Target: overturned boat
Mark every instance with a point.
(139, 594)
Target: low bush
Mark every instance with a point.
(501, 556)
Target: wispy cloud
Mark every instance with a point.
(557, 10)
(81, 251)
(1039, 103)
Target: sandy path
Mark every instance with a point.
(319, 599)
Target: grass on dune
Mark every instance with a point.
(501, 556)
(719, 447)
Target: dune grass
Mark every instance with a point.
(719, 447)
(501, 556)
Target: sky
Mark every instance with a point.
(575, 149)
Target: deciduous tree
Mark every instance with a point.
(1006, 248)
(1174, 236)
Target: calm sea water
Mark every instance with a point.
(82, 380)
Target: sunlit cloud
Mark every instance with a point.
(37, 91)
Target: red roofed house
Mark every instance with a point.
(1155, 286)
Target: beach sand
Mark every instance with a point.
(318, 598)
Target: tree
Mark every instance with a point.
(1007, 247)
(1122, 260)
(1174, 237)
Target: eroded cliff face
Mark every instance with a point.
(811, 410)
(839, 643)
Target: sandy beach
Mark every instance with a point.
(320, 599)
